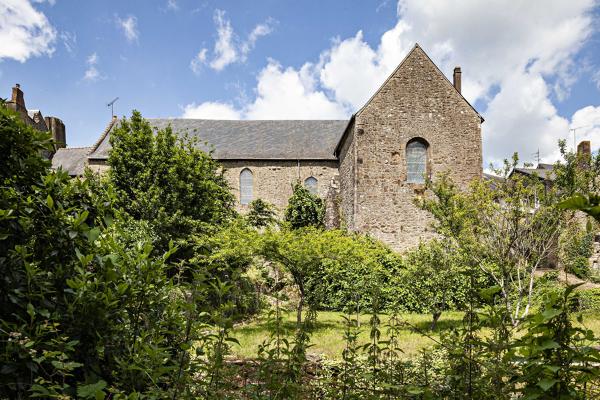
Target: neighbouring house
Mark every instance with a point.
(35, 118)
(369, 168)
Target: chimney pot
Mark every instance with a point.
(457, 79)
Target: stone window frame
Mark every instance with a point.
(418, 185)
(314, 191)
(246, 198)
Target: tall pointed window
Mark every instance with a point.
(416, 161)
(246, 186)
(311, 184)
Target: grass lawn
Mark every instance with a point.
(328, 338)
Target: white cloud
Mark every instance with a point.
(69, 40)
(91, 73)
(211, 110)
(24, 31)
(198, 61)
(172, 5)
(514, 59)
(228, 48)
(258, 31)
(596, 79)
(225, 51)
(587, 122)
(129, 27)
(51, 2)
(291, 94)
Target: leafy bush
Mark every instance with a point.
(86, 308)
(575, 249)
(261, 214)
(304, 208)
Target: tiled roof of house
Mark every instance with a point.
(72, 160)
(250, 140)
(543, 171)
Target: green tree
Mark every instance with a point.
(85, 309)
(261, 214)
(507, 230)
(163, 178)
(304, 208)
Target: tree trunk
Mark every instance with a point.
(435, 317)
(299, 312)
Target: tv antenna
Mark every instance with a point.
(574, 130)
(111, 105)
(537, 156)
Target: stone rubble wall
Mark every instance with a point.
(273, 179)
(417, 101)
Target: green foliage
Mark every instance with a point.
(438, 279)
(21, 146)
(261, 214)
(304, 209)
(589, 205)
(87, 309)
(162, 178)
(506, 230)
(577, 173)
(575, 249)
(227, 255)
(557, 359)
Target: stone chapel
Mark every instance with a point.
(369, 169)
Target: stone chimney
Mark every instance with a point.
(584, 148)
(457, 83)
(17, 98)
(57, 129)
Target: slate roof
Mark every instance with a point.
(250, 140)
(72, 160)
(543, 171)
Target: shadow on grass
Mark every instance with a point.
(288, 327)
(442, 324)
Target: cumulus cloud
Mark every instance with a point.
(91, 73)
(24, 31)
(129, 28)
(211, 110)
(229, 48)
(291, 94)
(515, 59)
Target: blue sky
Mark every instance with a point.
(532, 68)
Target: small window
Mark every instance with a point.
(416, 161)
(246, 186)
(311, 184)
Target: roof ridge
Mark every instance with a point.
(103, 135)
(247, 120)
(74, 148)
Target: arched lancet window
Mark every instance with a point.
(416, 161)
(311, 184)
(246, 186)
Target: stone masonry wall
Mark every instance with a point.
(417, 101)
(273, 179)
(347, 182)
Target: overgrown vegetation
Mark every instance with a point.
(130, 285)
